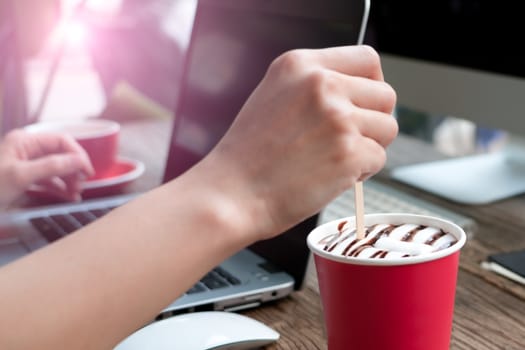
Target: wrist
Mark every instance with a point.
(218, 206)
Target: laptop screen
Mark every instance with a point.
(232, 44)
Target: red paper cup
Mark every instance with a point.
(99, 137)
(397, 303)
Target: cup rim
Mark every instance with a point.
(51, 126)
(392, 218)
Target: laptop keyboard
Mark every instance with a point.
(216, 278)
(54, 227)
(380, 198)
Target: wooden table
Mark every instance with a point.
(489, 310)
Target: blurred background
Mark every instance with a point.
(122, 60)
(119, 59)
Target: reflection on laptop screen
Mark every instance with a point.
(232, 44)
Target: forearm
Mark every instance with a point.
(90, 289)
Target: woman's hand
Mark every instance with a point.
(55, 162)
(318, 122)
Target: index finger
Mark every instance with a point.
(356, 60)
(58, 143)
(45, 143)
(53, 143)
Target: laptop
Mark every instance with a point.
(232, 43)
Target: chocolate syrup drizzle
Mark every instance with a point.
(330, 242)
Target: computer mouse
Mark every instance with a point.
(203, 330)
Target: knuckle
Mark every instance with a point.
(381, 159)
(348, 148)
(370, 55)
(288, 62)
(322, 94)
(390, 130)
(319, 86)
(376, 163)
(389, 96)
(394, 129)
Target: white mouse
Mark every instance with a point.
(205, 330)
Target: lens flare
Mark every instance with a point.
(74, 32)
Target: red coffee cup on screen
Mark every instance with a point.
(98, 137)
(393, 289)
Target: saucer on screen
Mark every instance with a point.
(123, 172)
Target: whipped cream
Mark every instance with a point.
(383, 241)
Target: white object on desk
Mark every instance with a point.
(502, 271)
(201, 331)
(478, 179)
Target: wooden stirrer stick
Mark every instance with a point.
(358, 187)
(359, 210)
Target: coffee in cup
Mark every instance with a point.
(393, 289)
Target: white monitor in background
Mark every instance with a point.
(458, 58)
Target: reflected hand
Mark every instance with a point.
(55, 162)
